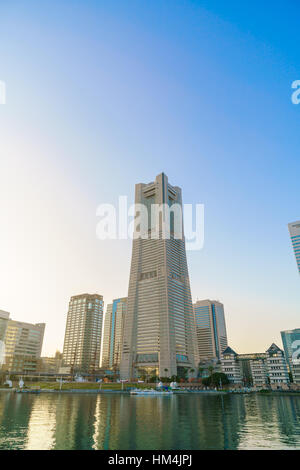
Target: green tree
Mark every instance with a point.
(215, 380)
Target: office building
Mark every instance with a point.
(82, 342)
(294, 229)
(113, 333)
(23, 344)
(231, 366)
(210, 329)
(159, 330)
(256, 369)
(291, 346)
(276, 366)
(295, 371)
(4, 316)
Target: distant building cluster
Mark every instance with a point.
(156, 330)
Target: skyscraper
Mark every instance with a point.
(113, 333)
(159, 330)
(83, 332)
(294, 229)
(210, 328)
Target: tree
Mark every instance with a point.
(216, 379)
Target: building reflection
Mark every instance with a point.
(117, 422)
(177, 422)
(275, 420)
(42, 424)
(15, 411)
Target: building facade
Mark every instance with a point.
(159, 330)
(231, 366)
(295, 371)
(113, 333)
(259, 371)
(256, 369)
(291, 346)
(23, 344)
(276, 366)
(4, 317)
(82, 343)
(210, 329)
(294, 229)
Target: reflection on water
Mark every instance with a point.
(115, 421)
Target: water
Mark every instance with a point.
(115, 421)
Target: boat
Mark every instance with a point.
(151, 391)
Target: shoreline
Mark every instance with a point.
(178, 392)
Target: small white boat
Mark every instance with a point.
(150, 391)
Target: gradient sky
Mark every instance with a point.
(105, 94)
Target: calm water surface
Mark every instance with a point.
(114, 421)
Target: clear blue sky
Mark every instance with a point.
(104, 94)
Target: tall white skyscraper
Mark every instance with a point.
(159, 331)
(294, 229)
(210, 328)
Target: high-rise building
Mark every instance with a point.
(294, 229)
(291, 346)
(113, 333)
(82, 342)
(23, 344)
(210, 328)
(159, 331)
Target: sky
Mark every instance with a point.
(101, 95)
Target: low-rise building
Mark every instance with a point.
(50, 365)
(258, 366)
(256, 369)
(276, 366)
(231, 366)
